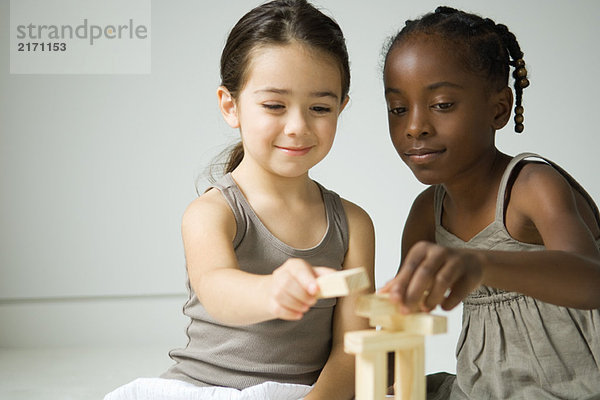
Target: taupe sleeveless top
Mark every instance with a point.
(513, 346)
(218, 354)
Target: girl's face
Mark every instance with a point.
(288, 109)
(441, 116)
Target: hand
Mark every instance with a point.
(432, 275)
(293, 288)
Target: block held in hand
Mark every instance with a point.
(342, 283)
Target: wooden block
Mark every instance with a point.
(381, 312)
(409, 373)
(372, 340)
(371, 305)
(342, 283)
(371, 374)
(371, 348)
(421, 323)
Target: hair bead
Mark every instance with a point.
(519, 128)
(519, 119)
(521, 72)
(523, 83)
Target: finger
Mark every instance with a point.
(288, 290)
(386, 288)
(283, 304)
(423, 278)
(289, 300)
(445, 278)
(306, 276)
(288, 314)
(297, 295)
(303, 273)
(457, 293)
(399, 285)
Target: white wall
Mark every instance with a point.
(96, 170)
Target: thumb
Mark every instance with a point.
(386, 288)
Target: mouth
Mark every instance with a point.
(423, 155)
(295, 151)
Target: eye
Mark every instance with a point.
(443, 106)
(397, 110)
(273, 107)
(321, 109)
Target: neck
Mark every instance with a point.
(256, 181)
(479, 184)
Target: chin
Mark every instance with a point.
(426, 177)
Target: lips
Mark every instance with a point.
(423, 154)
(295, 150)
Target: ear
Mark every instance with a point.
(344, 104)
(503, 101)
(228, 107)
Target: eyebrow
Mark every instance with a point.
(433, 86)
(324, 93)
(437, 85)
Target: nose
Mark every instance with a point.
(417, 125)
(296, 123)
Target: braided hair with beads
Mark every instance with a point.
(488, 48)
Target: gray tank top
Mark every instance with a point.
(218, 354)
(513, 346)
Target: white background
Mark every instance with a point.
(96, 170)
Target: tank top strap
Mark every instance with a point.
(234, 197)
(335, 213)
(500, 206)
(438, 200)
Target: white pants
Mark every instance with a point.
(171, 389)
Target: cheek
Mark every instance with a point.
(395, 133)
(328, 129)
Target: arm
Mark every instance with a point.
(419, 227)
(337, 378)
(228, 293)
(567, 273)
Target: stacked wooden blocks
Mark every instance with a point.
(404, 335)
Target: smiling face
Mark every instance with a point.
(442, 117)
(288, 108)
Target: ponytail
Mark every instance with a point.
(236, 153)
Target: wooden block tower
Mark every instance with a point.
(404, 335)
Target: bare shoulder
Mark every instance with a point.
(360, 226)
(423, 203)
(422, 211)
(355, 214)
(542, 195)
(361, 243)
(540, 185)
(210, 210)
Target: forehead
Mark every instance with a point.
(293, 66)
(425, 59)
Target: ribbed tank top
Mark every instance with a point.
(218, 354)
